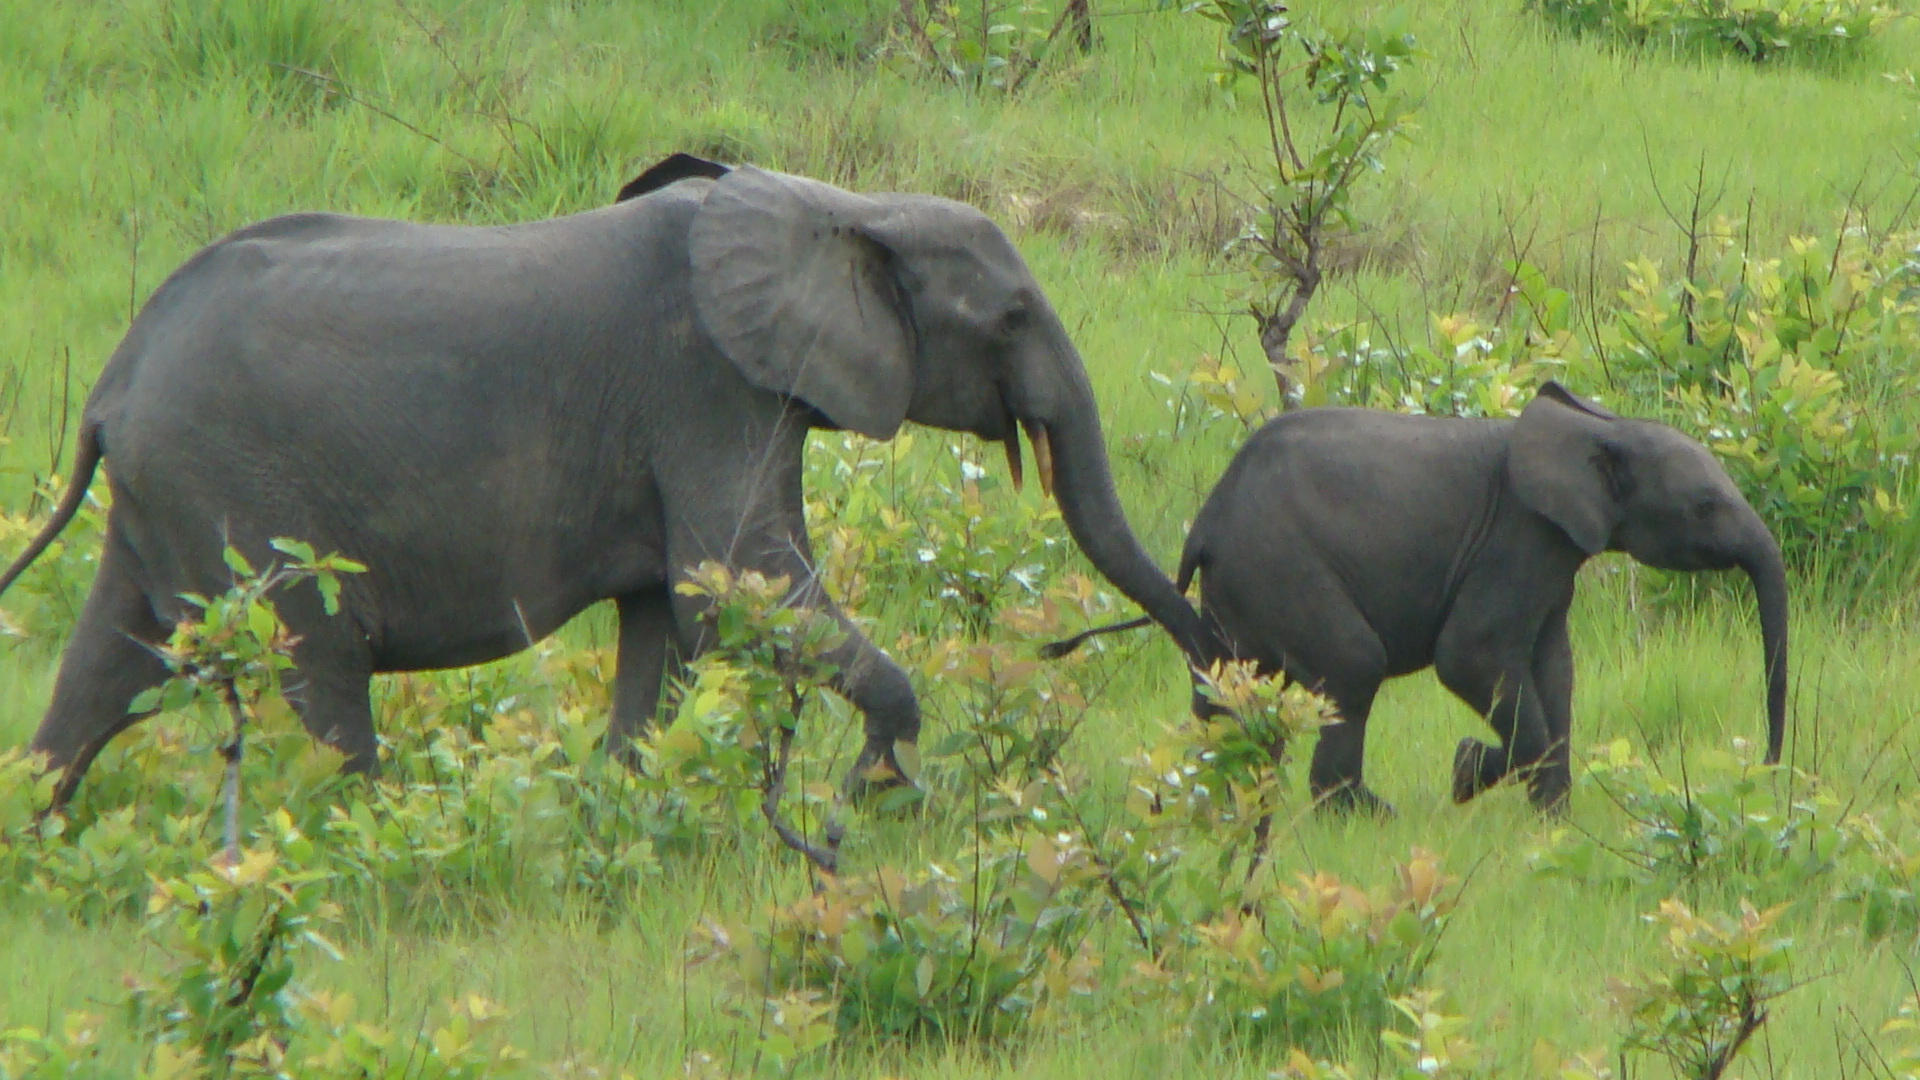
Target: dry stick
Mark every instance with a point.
(1074, 9)
(1104, 868)
(231, 788)
(345, 91)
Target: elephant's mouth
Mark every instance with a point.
(1042, 454)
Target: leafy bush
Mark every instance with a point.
(963, 950)
(1721, 823)
(1468, 366)
(1795, 369)
(1324, 963)
(232, 931)
(989, 44)
(954, 556)
(1760, 30)
(1007, 716)
(1700, 1013)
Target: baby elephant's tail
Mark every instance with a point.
(1189, 562)
(86, 458)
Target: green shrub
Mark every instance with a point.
(1701, 1012)
(1760, 30)
(1716, 821)
(1796, 369)
(941, 537)
(965, 949)
(1321, 962)
(1468, 366)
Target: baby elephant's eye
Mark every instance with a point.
(1706, 508)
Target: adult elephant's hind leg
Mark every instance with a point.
(328, 688)
(109, 660)
(649, 657)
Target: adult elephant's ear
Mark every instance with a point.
(790, 286)
(1565, 464)
(671, 170)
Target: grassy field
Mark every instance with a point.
(132, 134)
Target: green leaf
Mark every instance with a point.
(237, 562)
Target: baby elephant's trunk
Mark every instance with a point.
(1769, 575)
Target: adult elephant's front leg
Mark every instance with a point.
(649, 658)
(864, 675)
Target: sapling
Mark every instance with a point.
(234, 651)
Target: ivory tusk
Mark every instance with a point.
(1042, 455)
(1012, 444)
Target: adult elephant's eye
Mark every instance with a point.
(1706, 508)
(1015, 320)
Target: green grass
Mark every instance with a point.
(132, 134)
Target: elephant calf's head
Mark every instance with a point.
(1615, 484)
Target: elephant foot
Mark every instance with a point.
(1467, 759)
(1548, 792)
(1354, 798)
(878, 779)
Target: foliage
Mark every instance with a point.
(1723, 823)
(46, 600)
(990, 44)
(1467, 366)
(966, 950)
(769, 652)
(1759, 30)
(1303, 196)
(1009, 717)
(1727, 970)
(946, 536)
(1794, 369)
(232, 931)
(1321, 961)
(1881, 886)
(238, 645)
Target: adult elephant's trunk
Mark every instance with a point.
(1083, 485)
(1769, 575)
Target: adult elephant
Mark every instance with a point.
(1346, 546)
(509, 424)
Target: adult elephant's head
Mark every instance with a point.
(1636, 486)
(877, 309)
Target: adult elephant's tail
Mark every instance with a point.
(86, 458)
(1191, 560)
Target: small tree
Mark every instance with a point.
(1303, 198)
(234, 652)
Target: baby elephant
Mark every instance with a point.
(1346, 546)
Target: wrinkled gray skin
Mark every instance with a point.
(509, 424)
(1347, 546)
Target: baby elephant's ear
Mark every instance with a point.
(791, 284)
(1565, 464)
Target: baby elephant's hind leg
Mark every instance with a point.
(109, 660)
